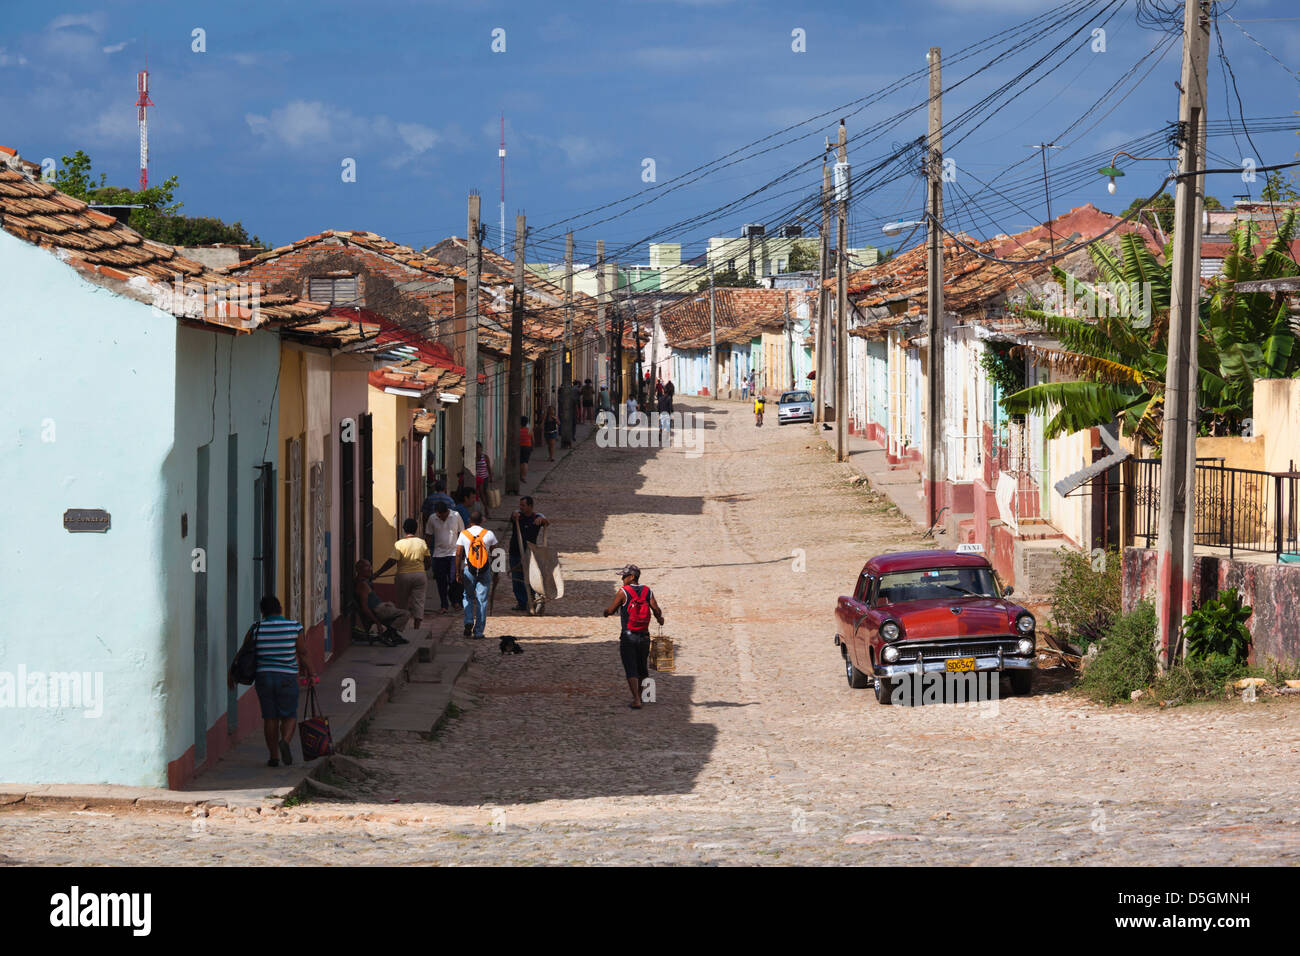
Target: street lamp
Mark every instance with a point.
(894, 228)
(1113, 169)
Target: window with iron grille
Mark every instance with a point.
(336, 290)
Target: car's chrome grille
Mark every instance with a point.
(907, 652)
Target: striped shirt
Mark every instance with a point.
(277, 645)
(481, 471)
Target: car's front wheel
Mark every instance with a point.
(1022, 683)
(884, 690)
(857, 679)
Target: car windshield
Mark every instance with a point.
(789, 397)
(941, 584)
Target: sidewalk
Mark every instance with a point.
(899, 484)
(404, 688)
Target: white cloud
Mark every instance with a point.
(11, 59)
(297, 124)
(116, 47)
(313, 125)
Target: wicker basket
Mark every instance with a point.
(663, 655)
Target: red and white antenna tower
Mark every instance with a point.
(502, 153)
(142, 87)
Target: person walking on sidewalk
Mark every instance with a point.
(550, 430)
(588, 402)
(474, 572)
(482, 475)
(439, 493)
(635, 603)
(281, 655)
(525, 447)
(411, 555)
(529, 522)
(442, 529)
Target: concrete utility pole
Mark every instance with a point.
(713, 342)
(473, 261)
(1175, 541)
(936, 468)
(515, 408)
(842, 300)
(821, 339)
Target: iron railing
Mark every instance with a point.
(1234, 508)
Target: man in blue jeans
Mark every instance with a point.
(474, 571)
(528, 521)
(281, 654)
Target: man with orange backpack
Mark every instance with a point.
(635, 603)
(474, 571)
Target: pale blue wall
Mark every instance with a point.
(106, 371)
(243, 381)
(878, 382)
(99, 368)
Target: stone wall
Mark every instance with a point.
(1273, 590)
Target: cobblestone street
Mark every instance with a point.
(755, 750)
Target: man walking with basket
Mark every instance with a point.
(635, 603)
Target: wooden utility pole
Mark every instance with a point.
(515, 408)
(821, 339)
(566, 363)
(1175, 542)
(936, 468)
(789, 338)
(842, 300)
(473, 261)
(654, 355)
(713, 342)
(600, 314)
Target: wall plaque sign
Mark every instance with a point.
(86, 519)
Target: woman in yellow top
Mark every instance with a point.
(758, 409)
(411, 555)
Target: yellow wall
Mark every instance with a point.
(1277, 420)
(384, 409)
(1236, 452)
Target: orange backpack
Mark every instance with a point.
(477, 553)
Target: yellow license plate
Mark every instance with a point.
(959, 664)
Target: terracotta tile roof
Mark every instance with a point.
(894, 293)
(739, 315)
(419, 375)
(365, 240)
(107, 251)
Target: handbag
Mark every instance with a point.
(245, 665)
(314, 729)
(493, 494)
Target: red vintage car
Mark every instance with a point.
(920, 612)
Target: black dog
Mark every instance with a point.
(510, 646)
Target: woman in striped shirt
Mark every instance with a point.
(482, 475)
(281, 654)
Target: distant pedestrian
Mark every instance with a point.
(474, 572)
(441, 530)
(758, 410)
(482, 475)
(634, 603)
(744, 388)
(605, 405)
(525, 447)
(411, 555)
(550, 430)
(528, 522)
(588, 402)
(631, 416)
(439, 493)
(281, 656)
(670, 389)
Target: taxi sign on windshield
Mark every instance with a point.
(970, 548)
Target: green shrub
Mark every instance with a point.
(1087, 598)
(1218, 628)
(1127, 659)
(1198, 678)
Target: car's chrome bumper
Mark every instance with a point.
(939, 664)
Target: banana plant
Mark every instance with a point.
(1120, 357)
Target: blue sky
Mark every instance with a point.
(258, 125)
